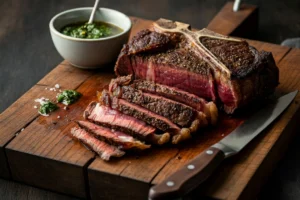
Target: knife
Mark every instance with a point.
(200, 168)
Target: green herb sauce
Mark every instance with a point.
(95, 30)
(47, 107)
(68, 97)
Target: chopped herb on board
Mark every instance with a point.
(47, 107)
(68, 97)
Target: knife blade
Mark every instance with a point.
(200, 168)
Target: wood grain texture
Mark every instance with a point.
(45, 156)
(121, 178)
(21, 113)
(15, 118)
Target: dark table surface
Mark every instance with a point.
(27, 54)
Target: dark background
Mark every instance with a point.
(27, 54)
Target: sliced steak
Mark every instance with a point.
(104, 150)
(105, 116)
(110, 136)
(178, 113)
(199, 104)
(147, 116)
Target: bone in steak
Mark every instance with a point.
(204, 63)
(199, 104)
(115, 138)
(105, 116)
(151, 118)
(104, 150)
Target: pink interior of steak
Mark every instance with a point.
(199, 104)
(145, 115)
(105, 115)
(177, 112)
(117, 138)
(104, 150)
(201, 84)
(171, 93)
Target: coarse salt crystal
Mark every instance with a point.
(35, 107)
(57, 86)
(41, 100)
(22, 129)
(58, 117)
(65, 108)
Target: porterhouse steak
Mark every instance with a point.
(204, 63)
(170, 79)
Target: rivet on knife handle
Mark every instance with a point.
(188, 177)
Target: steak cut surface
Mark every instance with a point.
(110, 136)
(104, 150)
(177, 95)
(178, 113)
(209, 65)
(151, 118)
(105, 116)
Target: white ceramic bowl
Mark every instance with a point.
(89, 53)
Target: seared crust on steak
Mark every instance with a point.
(147, 116)
(208, 108)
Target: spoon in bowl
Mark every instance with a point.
(93, 12)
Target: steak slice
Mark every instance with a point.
(104, 150)
(178, 113)
(105, 116)
(204, 63)
(116, 138)
(199, 104)
(151, 118)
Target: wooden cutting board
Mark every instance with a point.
(45, 156)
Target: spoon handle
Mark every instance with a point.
(93, 11)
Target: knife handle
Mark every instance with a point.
(188, 177)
